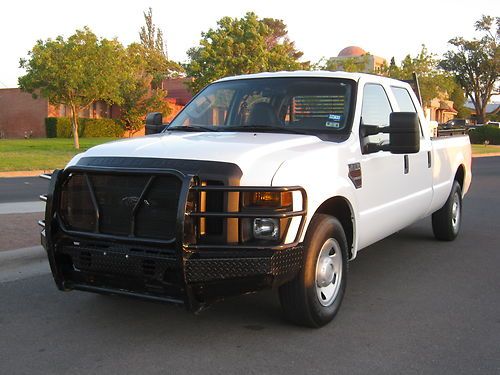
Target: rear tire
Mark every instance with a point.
(447, 220)
(314, 296)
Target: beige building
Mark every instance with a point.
(440, 110)
(354, 55)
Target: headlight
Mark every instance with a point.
(266, 228)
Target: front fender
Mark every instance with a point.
(320, 187)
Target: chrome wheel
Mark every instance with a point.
(455, 212)
(328, 272)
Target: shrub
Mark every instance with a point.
(60, 127)
(485, 133)
(104, 127)
(57, 127)
(50, 127)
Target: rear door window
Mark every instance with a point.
(403, 99)
(376, 110)
(405, 102)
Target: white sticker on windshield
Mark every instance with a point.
(332, 124)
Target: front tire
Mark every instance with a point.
(447, 220)
(314, 296)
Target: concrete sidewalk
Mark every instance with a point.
(485, 155)
(22, 207)
(18, 224)
(35, 173)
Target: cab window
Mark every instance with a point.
(376, 110)
(403, 99)
(405, 103)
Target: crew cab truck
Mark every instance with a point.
(265, 180)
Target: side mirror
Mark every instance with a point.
(404, 134)
(154, 123)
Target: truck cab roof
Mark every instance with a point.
(317, 74)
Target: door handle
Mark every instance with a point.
(407, 164)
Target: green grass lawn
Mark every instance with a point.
(481, 149)
(41, 153)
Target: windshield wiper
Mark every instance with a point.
(264, 128)
(192, 128)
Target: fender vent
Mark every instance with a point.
(355, 175)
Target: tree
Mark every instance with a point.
(476, 64)
(151, 37)
(458, 98)
(138, 97)
(75, 72)
(434, 82)
(155, 52)
(242, 46)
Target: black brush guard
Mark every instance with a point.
(176, 269)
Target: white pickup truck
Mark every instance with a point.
(265, 180)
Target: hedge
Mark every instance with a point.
(60, 127)
(485, 133)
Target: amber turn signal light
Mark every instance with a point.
(272, 199)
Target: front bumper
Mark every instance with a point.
(176, 272)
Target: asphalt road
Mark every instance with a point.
(22, 189)
(413, 306)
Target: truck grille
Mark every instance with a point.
(125, 205)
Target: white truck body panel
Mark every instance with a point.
(389, 199)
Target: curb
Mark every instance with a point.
(485, 155)
(23, 263)
(25, 253)
(34, 173)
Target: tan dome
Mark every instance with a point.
(352, 51)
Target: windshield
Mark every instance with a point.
(298, 105)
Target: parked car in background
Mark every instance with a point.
(456, 123)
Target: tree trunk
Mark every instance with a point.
(480, 112)
(481, 117)
(74, 126)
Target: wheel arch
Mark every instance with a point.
(460, 176)
(341, 208)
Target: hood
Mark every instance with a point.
(258, 155)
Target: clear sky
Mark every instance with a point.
(319, 28)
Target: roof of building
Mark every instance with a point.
(447, 107)
(490, 107)
(352, 51)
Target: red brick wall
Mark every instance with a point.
(177, 89)
(176, 108)
(20, 114)
(53, 110)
